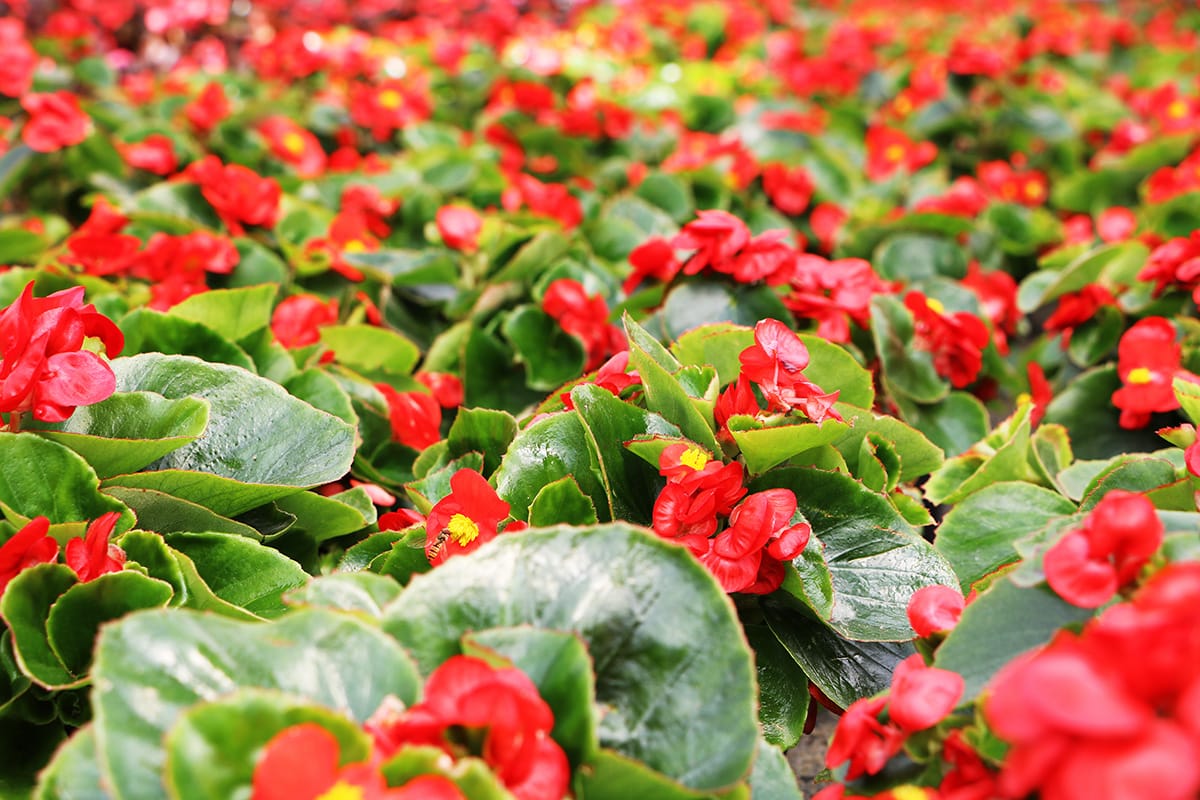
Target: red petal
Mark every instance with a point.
(298, 764)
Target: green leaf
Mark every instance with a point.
(875, 558)
(535, 256)
(1092, 341)
(213, 748)
(73, 773)
(361, 592)
(909, 371)
(148, 331)
(550, 355)
(232, 313)
(165, 513)
(561, 502)
(483, 430)
(1010, 461)
(1132, 474)
(371, 350)
(128, 430)
(1083, 271)
(614, 776)
(407, 267)
(19, 246)
(42, 478)
(842, 669)
(663, 393)
(704, 301)
(551, 448)
(977, 536)
(321, 391)
(954, 424)
(911, 257)
(78, 614)
(257, 434)
(489, 379)
(1084, 407)
(773, 778)
(537, 577)
(436, 485)
(718, 345)
(782, 688)
(559, 666)
(999, 625)
(324, 517)
(631, 484)
(833, 369)
(25, 605)
(241, 571)
(153, 666)
(918, 455)
(768, 447)
(668, 192)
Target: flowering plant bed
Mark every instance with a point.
(533, 400)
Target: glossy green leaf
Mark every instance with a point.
(525, 578)
(232, 313)
(842, 669)
(918, 455)
(663, 393)
(407, 267)
(20, 246)
(954, 424)
(999, 625)
(545, 451)
(129, 430)
(73, 773)
(25, 605)
(153, 666)
(535, 256)
(782, 687)
(910, 257)
(362, 592)
(977, 536)
(371, 350)
(241, 571)
(1084, 407)
(78, 614)
(149, 331)
(489, 380)
(329, 517)
(165, 513)
(43, 478)
(613, 776)
(550, 355)
(257, 434)
(483, 430)
(703, 301)
(768, 447)
(561, 502)
(773, 778)
(610, 422)
(1132, 474)
(321, 391)
(1010, 461)
(718, 345)
(560, 668)
(875, 558)
(213, 748)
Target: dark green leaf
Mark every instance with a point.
(551, 448)
(484, 431)
(782, 688)
(561, 502)
(241, 571)
(702, 301)
(550, 355)
(147, 331)
(908, 370)
(42, 478)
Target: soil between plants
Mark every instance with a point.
(807, 758)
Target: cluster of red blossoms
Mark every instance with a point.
(1112, 712)
(1148, 360)
(44, 367)
(761, 535)
(956, 340)
(90, 555)
(471, 709)
(584, 316)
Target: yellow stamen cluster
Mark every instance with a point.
(293, 143)
(910, 792)
(463, 529)
(1139, 375)
(390, 99)
(935, 305)
(354, 246)
(695, 458)
(342, 791)
(894, 154)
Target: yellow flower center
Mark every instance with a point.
(390, 99)
(1033, 191)
(463, 529)
(342, 791)
(894, 154)
(1177, 110)
(909, 792)
(903, 105)
(354, 246)
(935, 305)
(1139, 375)
(695, 458)
(1024, 398)
(293, 143)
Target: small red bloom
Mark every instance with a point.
(295, 321)
(1175, 264)
(775, 362)
(43, 367)
(997, 293)
(155, 153)
(55, 121)
(934, 609)
(1116, 224)
(613, 376)
(447, 389)
(238, 194)
(1076, 308)
(956, 340)
(889, 151)
(826, 222)
(388, 107)
(585, 316)
(714, 239)
(92, 555)
(922, 696)
(301, 763)
(1148, 359)
(294, 145)
(176, 266)
(415, 417)
(208, 109)
(20, 59)
(469, 516)
(1089, 564)
(790, 188)
(654, 258)
(833, 293)
(367, 202)
(863, 740)
(459, 227)
(28, 546)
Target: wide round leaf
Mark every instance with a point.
(552, 448)
(153, 666)
(43, 478)
(663, 635)
(74, 772)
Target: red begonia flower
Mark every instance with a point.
(1116, 224)
(239, 195)
(469, 516)
(890, 150)
(1076, 308)
(459, 227)
(833, 293)
(447, 389)
(28, 546)
(20, 59)
(715, 238)
(295, 321)
(155, 153)
(922, 696)
(415, 417)
(584, 316)
(956, 340)
(208, 109)
(790, 188)
(654, 258)
(863, 740)
(176, 266)
(935, 609)
(55, 121)
(294, 145)
(776, 362)
(1148, 360)
(92, 555)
